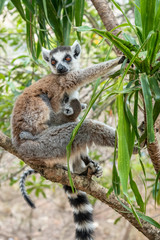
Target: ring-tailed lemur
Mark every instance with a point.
(73, 107)
(32, 114)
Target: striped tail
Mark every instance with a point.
(82, 211)
(22, 187)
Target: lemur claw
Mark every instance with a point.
(94, 169)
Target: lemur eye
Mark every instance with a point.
(68, 58)
(53, 62)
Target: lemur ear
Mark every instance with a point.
(76, 49)
(45, 54)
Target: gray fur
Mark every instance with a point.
(51, 143)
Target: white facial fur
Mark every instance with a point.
(73, 51)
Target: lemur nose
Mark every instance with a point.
(61, 68)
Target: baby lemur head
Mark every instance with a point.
(63, 59)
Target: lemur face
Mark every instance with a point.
(63, 59)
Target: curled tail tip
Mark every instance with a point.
(22, 187)
(33, 206)
(29, 202)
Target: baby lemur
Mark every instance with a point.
(37, 112)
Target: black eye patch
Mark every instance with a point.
(53, 61)
(67, 58)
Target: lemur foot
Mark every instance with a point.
(93, 168)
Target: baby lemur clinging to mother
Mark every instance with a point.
(36, 112)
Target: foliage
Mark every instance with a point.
(51, 23)
(144, 54)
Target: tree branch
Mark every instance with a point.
(57, 174)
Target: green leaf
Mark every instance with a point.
(43, 193)
(135, 213)
(136, 193)
(67, 21)
(37, 192)
(83, 28)
(18, 5)
(153, 47)
(155, 87)
(142, 216)
(79, 10)
(139, 34)
(109, 192)
(137, 14)
(120, 26)
(29, 5)
(123, 152)
(156, 185)
(115, 177)
(148, 106)
(117, 220)
(147, 16)
(1, 5)
(29, 190)
(149, 220)
(130, 39)
(131, 119)
(157, 18)
(156, 110)
(124, 46)
(34, 178)
(155, 68)
(30, 34)
(29, 183)
(53, 20)
(119, 8)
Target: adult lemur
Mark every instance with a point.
(37, 112)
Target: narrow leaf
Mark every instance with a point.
(155, 87)
(148, 105)
(136, 193)
(115, 177)
(1, 5)
(123, 153)
(79, 10)
(156, 185)
(67, 21)
(142, 216)
(28, 4)
(18, 5)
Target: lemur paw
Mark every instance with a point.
(68, 111)
(94, 169)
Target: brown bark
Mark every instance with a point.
(107, 17)
(154, 153)
(57, 174)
